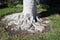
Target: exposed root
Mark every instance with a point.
(24, 22)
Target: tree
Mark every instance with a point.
(27, 20)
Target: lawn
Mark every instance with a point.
(53, 35)
(9, 11)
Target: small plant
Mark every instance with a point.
(10, 4)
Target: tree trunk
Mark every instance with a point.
(29, 7)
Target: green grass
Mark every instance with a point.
(9, 11)
(54, 35)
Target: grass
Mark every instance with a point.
(9, 11)
(54, 35)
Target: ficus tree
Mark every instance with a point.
(27, 20)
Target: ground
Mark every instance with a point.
(53, 35)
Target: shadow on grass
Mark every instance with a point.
(49, 12)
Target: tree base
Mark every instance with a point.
(24, 23)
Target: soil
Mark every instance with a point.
(22, 32)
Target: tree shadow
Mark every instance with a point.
(49, 12)
(3, 6)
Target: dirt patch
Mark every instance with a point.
(22, 32)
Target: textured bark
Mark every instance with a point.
(29, 7)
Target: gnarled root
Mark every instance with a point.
(24, 22)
